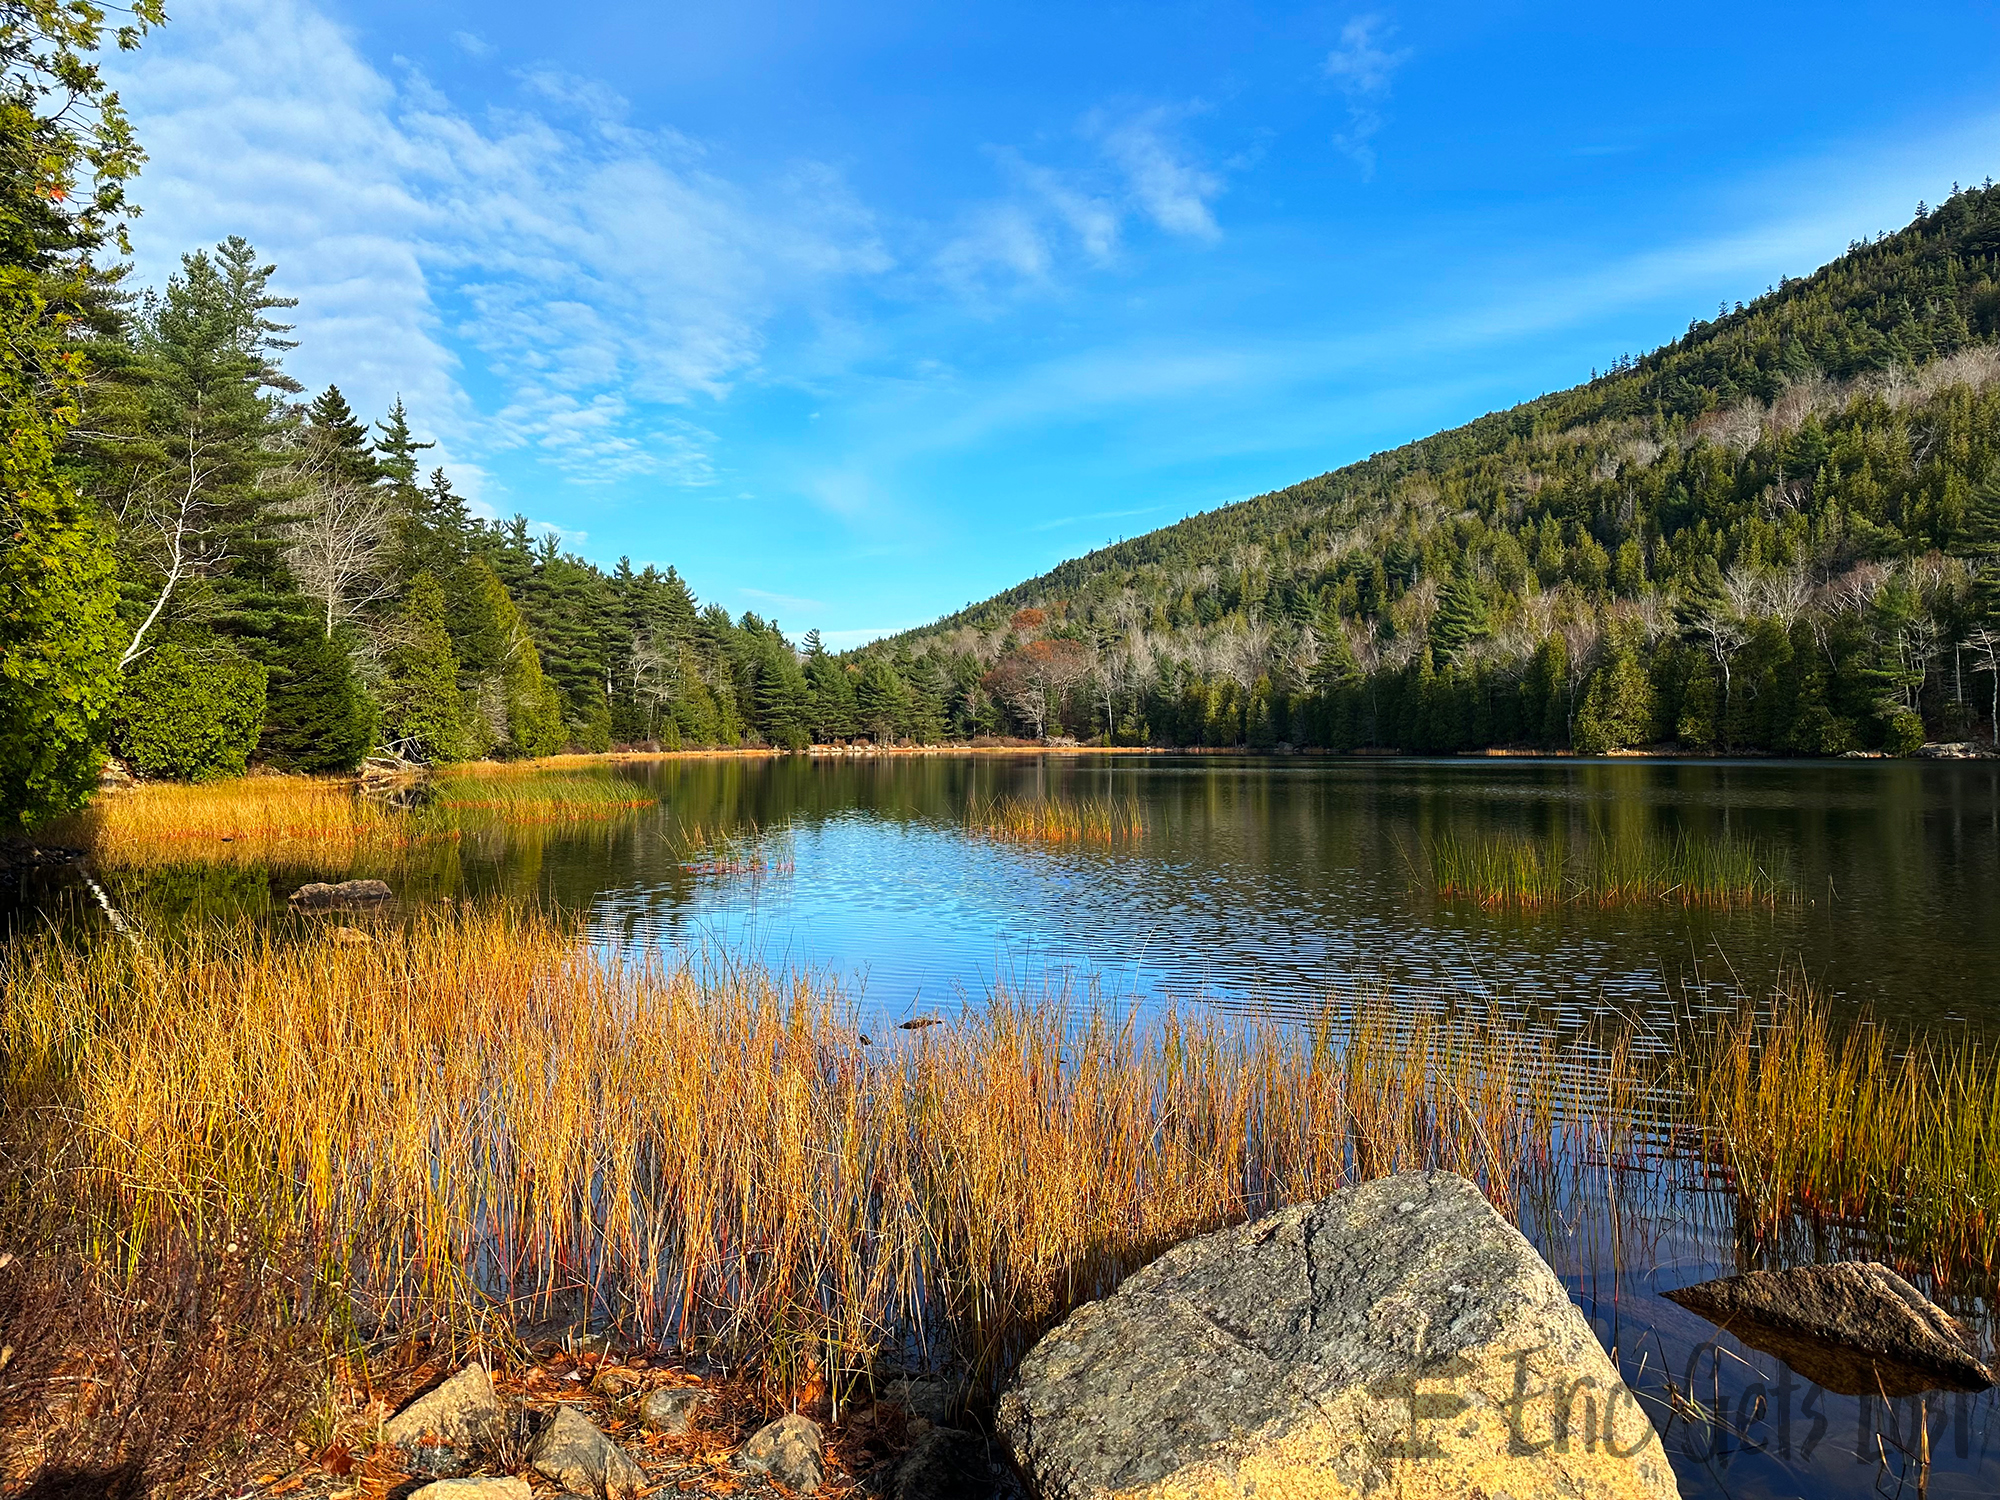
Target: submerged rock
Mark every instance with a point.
(948, 1465)
(571, 1451)
(1395, 1338)
(463, 1414)
(347, 893)
(787, 1450)
(1855, 1327)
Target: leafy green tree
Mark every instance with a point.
(421, 709)
(191, 712)
(66, 154)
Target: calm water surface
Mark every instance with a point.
(1268, 883)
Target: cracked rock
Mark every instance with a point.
(572, 1452)
(447, 1427)
(1394, 1338)
(787, 1450)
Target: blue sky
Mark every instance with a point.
(856, 313)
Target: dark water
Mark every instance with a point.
(1265, 883)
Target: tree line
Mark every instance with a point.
(1780, 532)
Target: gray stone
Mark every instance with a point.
(473, 1489)
(462, 1415)
(932, 1400)
(1855, 1327)
(1395, 1338)
(948, 1465)
(787, 1450)
(346, 893)
(571, 1451)
(671, 1408)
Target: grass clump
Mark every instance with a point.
(547, 797)
(1852, 1124)
(1533, 874)
(250, 820)
(477, 1118)
(1039, 820)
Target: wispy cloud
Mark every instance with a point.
(1136, 168)
(539, 275)
(1097, 515)
(781, 601)
(472, 44)
(1362, 67)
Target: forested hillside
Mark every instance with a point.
(1779, 532)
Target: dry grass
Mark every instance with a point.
(327, 821)
(1899, 1136)
(255, 819)
(1090, 820)
(1531, 874)
(478, 1119)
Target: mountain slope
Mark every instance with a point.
(1770, 533)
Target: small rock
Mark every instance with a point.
(615, 1383)
(573, 1453)
(346, 893)
(351, 936)
(670, 1409)
(463, 1414)
(473, 1489)
(930, 1399)
(787, 1450)
(947, 1465)
(1854, 1327)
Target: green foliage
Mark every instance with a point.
(191, 712)
(421, 710)
(66, 154)
(320, 719)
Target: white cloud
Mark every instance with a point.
(1362, 67)
(597, 278)
(1169, 188)
(472, 44)
(1137, 169)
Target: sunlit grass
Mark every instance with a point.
(1536, 873)
(1087, 820)
(254, 819)
(538, 796)
(327, 821)
(478, 1115)
(1895, 1133)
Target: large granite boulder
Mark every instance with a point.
(1398, 1338)
(1855, 1327)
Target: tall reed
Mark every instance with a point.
(479, 1117)
(1087, 820)
(1895, 1134)
(1497, 872)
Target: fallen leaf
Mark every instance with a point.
(337, 1460)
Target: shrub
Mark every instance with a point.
(1905, 735)
(191, 715)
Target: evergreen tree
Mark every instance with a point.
(1460, 617)
(421, 709)
(319, 718)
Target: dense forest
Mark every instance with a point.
(1780, 532)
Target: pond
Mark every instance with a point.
(1263, 885)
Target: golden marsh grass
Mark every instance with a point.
(1088, 820)
(1896, 1134)
(1535, 873)
(477, 1117)
(325, 821)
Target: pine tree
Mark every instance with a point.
(1460, 617)
(318, 716)
(421, 709)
